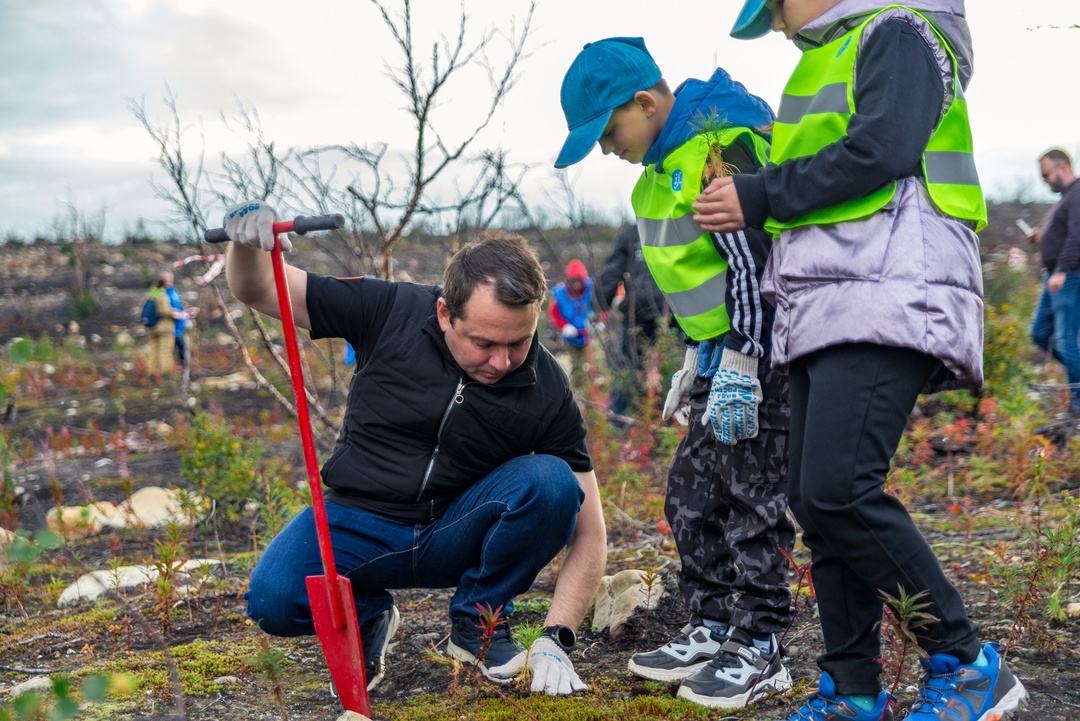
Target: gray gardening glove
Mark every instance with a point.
(251, 224)
(681, 383)
(734, 397)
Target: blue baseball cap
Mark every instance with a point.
(603, 76)
(754, 21)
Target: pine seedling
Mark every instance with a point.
(269, 663)
(710, 127)
(525, 635)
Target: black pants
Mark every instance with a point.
(849, 406)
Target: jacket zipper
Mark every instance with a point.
(456, 400)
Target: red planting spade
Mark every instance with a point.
(332, 607)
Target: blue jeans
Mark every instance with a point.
(1057, 320)
(492, 542)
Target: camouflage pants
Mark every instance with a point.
(727, 507)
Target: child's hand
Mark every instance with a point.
(717, 208)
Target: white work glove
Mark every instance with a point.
(251, 224)
(681, 383)
(734, 398)
(569, 331)
(552, 672)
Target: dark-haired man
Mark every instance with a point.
(461, 460)
(1057, 315)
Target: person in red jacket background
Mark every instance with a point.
(570, 309)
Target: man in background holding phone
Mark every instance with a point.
(1056, 325)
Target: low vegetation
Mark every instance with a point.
(991, 480)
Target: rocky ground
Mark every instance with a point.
(208, 627)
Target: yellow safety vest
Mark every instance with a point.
(815, 109)
(681, 258)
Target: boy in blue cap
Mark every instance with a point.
(726, 496)
(872, 193)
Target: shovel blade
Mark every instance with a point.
(341, 645)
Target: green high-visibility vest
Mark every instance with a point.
(682, 259)
(815, 109)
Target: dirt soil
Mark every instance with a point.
(35, 283)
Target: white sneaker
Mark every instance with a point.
(683, 656)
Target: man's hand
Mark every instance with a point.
(552, 672)
(251, 224)
(734, 398)
(717, 209)
(569, 331)
(681, 383)
(1056, 281)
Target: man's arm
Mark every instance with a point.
(584, 562)
(250, 274)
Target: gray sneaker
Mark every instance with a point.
(680, 657)
(739, 676)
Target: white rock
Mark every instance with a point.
(92, 586)
(154, 506)
(37, 683)
(621, 595)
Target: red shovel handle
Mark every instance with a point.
(322, 525)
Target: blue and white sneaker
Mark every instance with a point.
(825, 705)
(953, 691)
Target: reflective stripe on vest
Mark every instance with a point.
(681, 258)
(817, 105)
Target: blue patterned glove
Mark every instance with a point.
(734, 398)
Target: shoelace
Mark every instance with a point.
(726, 659)
(815, 707)
(934, 689)
(682, 639)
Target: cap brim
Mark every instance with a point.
(582, 140)
(754, 21)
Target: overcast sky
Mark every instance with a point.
(316, 73)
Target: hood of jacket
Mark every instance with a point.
(576, 269)
(697, 98)
(946, 15)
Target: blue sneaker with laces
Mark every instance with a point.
(954, 691)
(825, 705)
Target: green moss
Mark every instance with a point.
(603, 702)
(198, 663)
